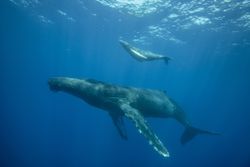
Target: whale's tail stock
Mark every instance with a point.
(190, 132)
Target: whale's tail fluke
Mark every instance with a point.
(166, 59)
(190, 132)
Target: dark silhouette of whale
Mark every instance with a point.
(130, 102)
(142, 55)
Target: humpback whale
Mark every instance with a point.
(142, 55)
(130, 102)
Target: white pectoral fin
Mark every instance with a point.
(144, 129)
(138, 54)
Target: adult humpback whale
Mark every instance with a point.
(142, 55)
(130, 102)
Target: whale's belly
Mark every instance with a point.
(154, 105)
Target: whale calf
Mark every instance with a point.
(130, 102)
(142, 55)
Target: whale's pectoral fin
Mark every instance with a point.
(139, 121)
(119, 124)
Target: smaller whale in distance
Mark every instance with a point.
(142, 55)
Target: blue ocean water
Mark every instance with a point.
(209, 77)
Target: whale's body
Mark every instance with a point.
(133, 103)
(142, 55)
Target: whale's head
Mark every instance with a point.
(59, 83)
(125, 44)
(70, 85)
(54, 84)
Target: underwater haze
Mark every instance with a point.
(208, 75)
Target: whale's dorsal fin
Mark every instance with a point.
(119, 124)
(141, 124)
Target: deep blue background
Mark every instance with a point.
(208, 77)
